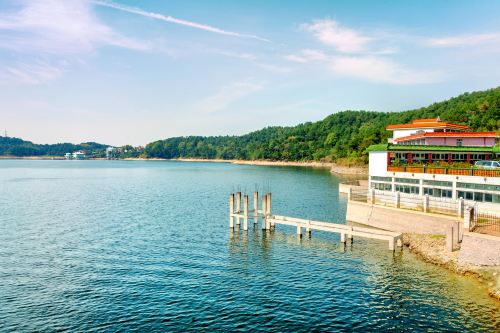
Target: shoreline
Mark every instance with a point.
(334, 168)
(432, 249)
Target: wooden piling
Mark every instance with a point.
(269, 200)
(299, 230)
(231, 210)
(255, 207)
(308, 229)
(342, 237)
(238, 207)
(449, 238)
(392, 244)
(264, 212)
(245, 212)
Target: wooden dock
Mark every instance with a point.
(268, 221)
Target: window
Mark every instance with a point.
(486, 187)
(437, 192)
(407, 180)
(407, 189)
(382, 179)
(459, 142)
(381, 186)
(438, 183)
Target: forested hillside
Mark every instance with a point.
(18, 147)
(342, 136)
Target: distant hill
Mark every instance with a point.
(18, 147)
(341, 137)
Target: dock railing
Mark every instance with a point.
(422, 203)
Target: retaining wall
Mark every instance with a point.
(399, 220)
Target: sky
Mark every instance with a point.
(131, 72)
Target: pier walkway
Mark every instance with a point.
(269, 221)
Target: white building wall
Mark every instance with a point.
(377, 163)
(401, 133)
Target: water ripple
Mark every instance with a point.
(98, 246)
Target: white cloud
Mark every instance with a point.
(228, 95)
(48, 35)
(465, 40)
(58, 27)
(344, 39)
(378, 69)
(174, 20)
(307, 55)
(24, 73)
(367, 67)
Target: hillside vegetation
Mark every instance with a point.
(341, 137)
(18, 147)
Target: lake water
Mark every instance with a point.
(145, 246)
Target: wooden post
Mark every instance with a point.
(460, 207)
(269, 224)
(456, 233)
(392, 242)
(372, 196)
(231, 210)
(264, 212)
(349, 194)
(399, 242)
(342, 237)
(426, 203)
(449, 238)
(245, 212)
(255, 207)
(238, 207)
(349, 236)
(308, 228)
(269, 201)
(398, 199)
(299, 230)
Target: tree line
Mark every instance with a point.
(341, 137)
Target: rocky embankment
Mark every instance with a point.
(432, 249)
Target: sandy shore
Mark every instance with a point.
(432, 249)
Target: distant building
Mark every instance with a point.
(78, 155)
(111, 152)
(68, 156)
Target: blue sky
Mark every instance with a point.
(132, 71)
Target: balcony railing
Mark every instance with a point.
(446, 171)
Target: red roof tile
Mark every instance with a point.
(449, 134)
(427, 123)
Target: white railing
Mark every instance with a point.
(423, 203)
